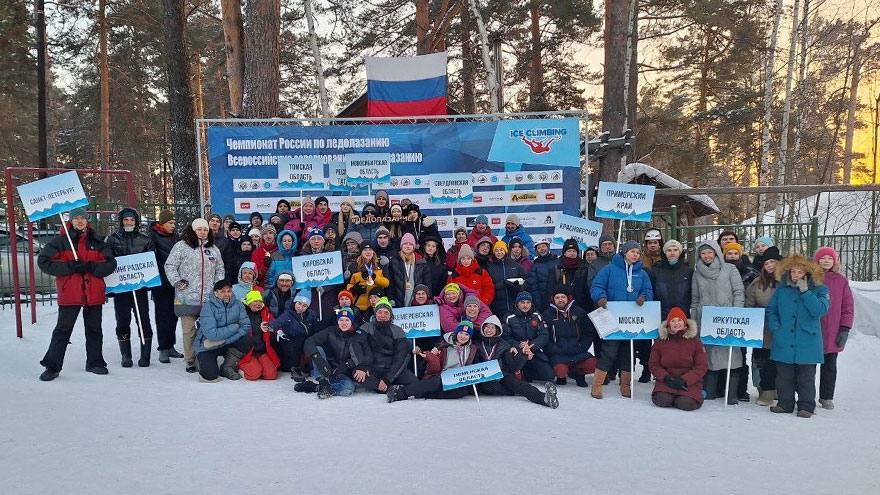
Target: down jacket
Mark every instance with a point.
(612, 282)
(345, 351)
(571, 334)
(390, 348)
(680, 355)
(671, 285)
(795, 318)
(476, 279)
(501, 271)
(78, 289)
(436, 363)
(541, 279)
(124, 243)
(520, 327)
(221, 321)
(200, 266)
(840, 314)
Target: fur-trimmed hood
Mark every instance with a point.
(815, 274)
(690, 333)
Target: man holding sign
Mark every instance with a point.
(127, 240)
(79, 276)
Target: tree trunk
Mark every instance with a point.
(468, 83)
(491, 81)
(104, 76)
(316, 55)
(852, 108)
(617, 29)
(262, 54)
(632, 80)
(786, 112)
(422, 24)
(536, 66)
(232, 27)
(801, 93)
(769, 69)
(180, 104)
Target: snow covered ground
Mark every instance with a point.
(158, 430)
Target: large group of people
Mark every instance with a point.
(501, 295)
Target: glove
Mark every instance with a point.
(802, 285)
(602, 303)
(76, 266)
(842, 336)
(675, 382)
(641, 300)
(181, 285)
(89, 267)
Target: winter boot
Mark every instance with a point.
(779, 410)
(710, 385)
(732, 399)
(550, 399)
(125, 350)
(324, 390)
(395, 393)
(230, 364)
(826, 404)
(298, 375)
(805, 414)
(766, 398)
(191, 367)
(581, 380)
(144, 361)
(646, 375)
(48, 375)
(598, 382)
(164, 356)
(626, 384)
(172, 353)
(742, 385)
(308, 387)
(205, 380)
(561, 381)
(98, 370)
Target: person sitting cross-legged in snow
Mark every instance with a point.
(571, 336)
(390, 349)
(340, 357)
(679, 363)
(290, 331)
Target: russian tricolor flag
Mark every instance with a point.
(406, 86)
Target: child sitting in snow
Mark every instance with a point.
(262, 361)
(678, 361)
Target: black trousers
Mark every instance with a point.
(67, 315)
(828, 377)
(406, 377)
(766, 368)
(123, 306)
(796, 378)
(290, 351)
(166, 320)
(208, 367)
(615, 352)
(538, 368)
(432, 388)
(509, 385)
(643, 351)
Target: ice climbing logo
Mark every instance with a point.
(541, 142)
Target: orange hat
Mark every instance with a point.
(345, 293)
(733, 246)
(677, 312)
(499, 244)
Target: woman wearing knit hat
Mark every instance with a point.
(519, 254)
(468, 274)
(525, 330)
(406, 270)
(452, 306)
(623, 280)
(474, 310)
(671, 282)
(679, 363)
(727, 236)
(460, 238)
(508, 277)
(481, 229)
(383, 204)
(483, 251)
(758, 295)
(760, 246)
(351, 248)
(835, 324)
(262, 361)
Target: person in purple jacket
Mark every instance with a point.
(835, 324)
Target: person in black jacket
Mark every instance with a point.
(340, 357)
(571, 336)
(542, 277)
(420, 226)
(573, 273)
(164, 236)
(405, 271)
(508, 277)
(525, 330)
(434, 255)
(390, 349)
(671, 280)
(128, 239)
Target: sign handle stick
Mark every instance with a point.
(619, 235)
(301, 208)
(727, 384)
(477, 395)
(67, 233)
(415, 361)
(137, 318)
(632, 368)
(320, 306)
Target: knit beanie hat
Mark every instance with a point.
(677, 312)
(672, 243)
(268, 228)
(166, 216)
(383, 302)
(353, 236)
(471, 299)
(367, 244)
(422, 288)
(322, 199)
(253, 296)
(766, 239)
(452, 287)
(772, 253)
(465, 326)
(381, 194)
(515, 240)
(482, 219)
(465, 250)
(198, 223)
(524, 296)
(253, 231)
(345, 313)
(308, 201)
(345, 293)
(499, 244)
(629, 246)
(734, 246)
(234, 226)
(304, 296)
(571, 243)
(460, 229)
(382, 231)
(826, 251)
(605, 238)
(513, 218)
(408, 239)
(127, 213)
(315, 231)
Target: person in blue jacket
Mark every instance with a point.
(286, 242)
(222, 331)
(513, 229)
(794, 317)
(623, 279)
(541, 279)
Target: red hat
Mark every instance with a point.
(345, 293)
(677, 312)
(826, 251)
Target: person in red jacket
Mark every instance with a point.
(481, 229)
(461, 238)
(262, 256)
(80, 283)
(679, 363)
(468, 273)
(262, 361)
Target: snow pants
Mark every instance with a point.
(67, 315)
(123, 306)
(796, 378)
(166, 320)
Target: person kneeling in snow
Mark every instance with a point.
(262, 361)
(490, 347)
(223, 331)
(340, 358)
(679, 363)
(525, 330)
(390, 349)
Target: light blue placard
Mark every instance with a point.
(451, 189)
(621, 201)
(635, 322)
(300, 172)
(316, 270)
(586, 232)
(418, 321)
(133, 272)
(53, 195)
(368, 168)
(337, 179)
(738, 327)
(466, 376)
(548, 142)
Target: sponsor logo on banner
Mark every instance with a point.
(478, 199)
(244, 205)
(495, 221)
(549, 196)
(524, 198)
